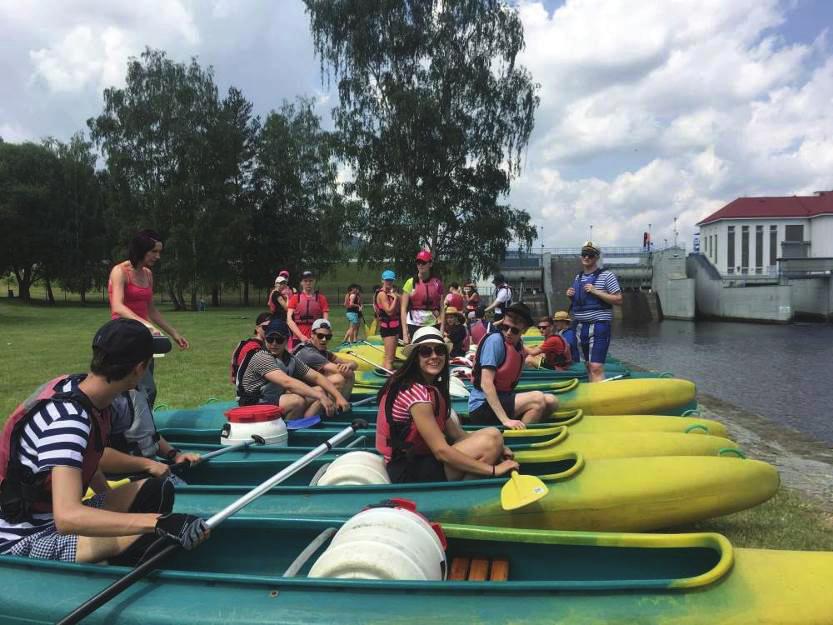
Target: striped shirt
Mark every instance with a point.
(263, 362)
(607, 283)
(417, 394)
(55, 436)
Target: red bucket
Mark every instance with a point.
(254, 414)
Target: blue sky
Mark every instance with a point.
(650, 110)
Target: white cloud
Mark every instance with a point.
(655, 110)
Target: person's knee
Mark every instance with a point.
(155, 495)
(337, 379)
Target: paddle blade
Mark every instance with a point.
(300, 424)
(521, 490)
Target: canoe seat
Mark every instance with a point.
(479, 569)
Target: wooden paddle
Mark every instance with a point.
(521, 490)
(121, 584)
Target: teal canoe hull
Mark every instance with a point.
(583, 579)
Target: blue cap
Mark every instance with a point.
(388, 274)
(276, 326)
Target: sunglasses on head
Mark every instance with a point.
(588, 255)
(426, 351)
(323, 337)
(512, 329)
(276, 338)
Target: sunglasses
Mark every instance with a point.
(512, 329)
(588, 255)
(276, 338)
(323, 337)
(426, 351)
(543, 327)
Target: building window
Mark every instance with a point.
(714, 249)
(794, 233)
(773, 245)
(730, 251)
(744, 249)
(759, 249)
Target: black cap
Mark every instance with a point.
(521, 310)
(124, 341)
(499, 279)
(276, 326)
(307, 274)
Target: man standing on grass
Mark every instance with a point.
(594, 293)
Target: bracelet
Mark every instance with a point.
(172, 453)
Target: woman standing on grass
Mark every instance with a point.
(131, 295)
(353, 311)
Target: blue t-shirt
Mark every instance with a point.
(492, 355)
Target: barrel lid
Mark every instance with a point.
(254, 414)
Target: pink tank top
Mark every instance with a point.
(136, 297)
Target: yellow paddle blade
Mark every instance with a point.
(521, 490)
(371, 330)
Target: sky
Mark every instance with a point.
(649, 110)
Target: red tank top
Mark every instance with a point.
(136, 297)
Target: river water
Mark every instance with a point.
(782, 372)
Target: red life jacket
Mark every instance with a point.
(23, 493)
(507, 373)
(479, 329)
(426, 295)
(309, 309)
(356, 306)
(239, 353)
(395, 439)
(560, 360)
(456, 300)
(472, 301)
(385, 320)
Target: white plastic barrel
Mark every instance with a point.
(384, 543)
(355, 467)
(265, 421)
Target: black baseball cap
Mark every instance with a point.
(276, 326)
(307, 274)
(124, 342)
(521, 310)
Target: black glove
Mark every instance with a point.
(188, 530)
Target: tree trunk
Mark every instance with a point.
(193, 298)
(180, 298)
(174, 300)
(246, 293)
(24, 281)
(83, 295)
(215, 296)
(50, 296)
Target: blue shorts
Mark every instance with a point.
(353, 318)
(594, 339)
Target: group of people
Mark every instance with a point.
(75, 429)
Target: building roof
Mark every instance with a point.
(793, 207)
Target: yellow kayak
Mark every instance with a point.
(620, 397)
(595, 445)
(579, 422)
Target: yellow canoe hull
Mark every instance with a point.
(577, 421)
(632, 397)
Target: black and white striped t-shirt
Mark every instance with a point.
(263, 362)
(55, 436)
(605, 282)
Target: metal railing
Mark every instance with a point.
(805, 267)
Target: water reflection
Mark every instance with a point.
(783, 372)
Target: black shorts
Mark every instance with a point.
(385, 332)
(484, 415)
(416, 469)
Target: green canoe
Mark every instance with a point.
(235, 578)
(621, 494)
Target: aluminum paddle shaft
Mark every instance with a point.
(121, 584)
(279, 477)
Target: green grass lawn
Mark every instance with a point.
(40, 342)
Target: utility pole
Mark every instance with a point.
(675, 232)
(591, 232)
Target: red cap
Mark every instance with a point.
(283, 272)
(425, 256)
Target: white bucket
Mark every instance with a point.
(355, 467)
(384, 543)
(274, 432)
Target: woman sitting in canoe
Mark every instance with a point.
(413, 425)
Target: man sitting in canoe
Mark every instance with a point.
(563, 327)
(413, 424)
(315, 355)
(553, 352)
(49, 455)
(274, 376)
(498, 364)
